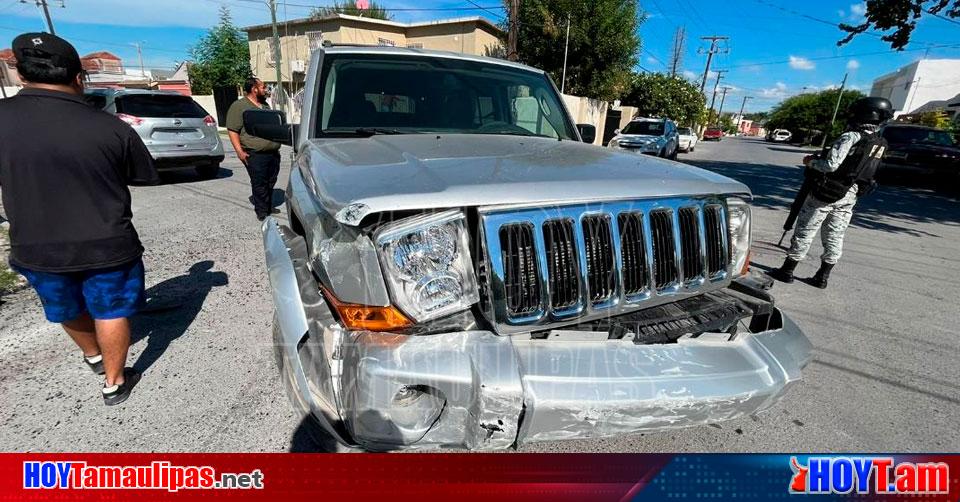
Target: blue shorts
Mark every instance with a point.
(107, 293)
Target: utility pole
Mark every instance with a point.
(713, 50)
(676, 56)
(823, 142)
(566, 47)
(514, 32)
(143, 72)
(46, 13)
(740, 119)
(722, 98)
(713, 97)
(281, 97)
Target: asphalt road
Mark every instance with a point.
(884, 377)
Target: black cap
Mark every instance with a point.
(51, 49)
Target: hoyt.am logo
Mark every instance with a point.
(877, 475)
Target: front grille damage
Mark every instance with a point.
(709, 312)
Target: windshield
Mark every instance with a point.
(160, 106)
(371, 94)
(684, 131)
(916, 135)
(649, 128)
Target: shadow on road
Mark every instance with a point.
(171, 308)
(793, 150)
(894, 209)
(309, 437)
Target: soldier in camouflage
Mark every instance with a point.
(840, 174)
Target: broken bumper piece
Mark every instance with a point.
(479, 390)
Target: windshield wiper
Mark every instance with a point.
(373, 131)
(511, 132)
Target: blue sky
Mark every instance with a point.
(776, 49)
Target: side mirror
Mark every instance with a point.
(268, 124)
(616, 132)
(588, 133)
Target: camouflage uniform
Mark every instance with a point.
(835, 215)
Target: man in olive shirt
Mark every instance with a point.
(260, 156)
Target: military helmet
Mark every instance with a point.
(870, 111)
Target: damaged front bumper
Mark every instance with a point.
(480, 390)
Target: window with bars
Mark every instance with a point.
(315, 39)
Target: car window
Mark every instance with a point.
(684, 131)
(917, 135)
(419, 94)
(644, 127)
(713, 129)
(159, 106)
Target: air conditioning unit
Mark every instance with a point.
(298, 66)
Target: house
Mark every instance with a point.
(919, 83)
(8, 69)
(300, 37)
(102, 62)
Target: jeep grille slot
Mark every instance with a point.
(562, 271)
(601, 275)
(713, 229)
(634, 252)
(664, 259)
(690, 243)
(521, 276)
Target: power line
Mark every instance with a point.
(861, 54)
(475, 4)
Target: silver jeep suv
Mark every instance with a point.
(460, 269)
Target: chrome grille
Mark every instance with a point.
(561, 263)
(714, 227)
(690, 256)
(665, 270)
(521, 277)
(598, 247)
(550, 265)
(634, 252)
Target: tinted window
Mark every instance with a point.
(917, 135)
(714, 130)
(417, 94)
(685, 131)
(95, 100)
(160, 106)
(650, 128)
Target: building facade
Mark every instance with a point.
(919, 83)
(300, 37)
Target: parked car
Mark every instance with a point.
(919, 151)
(779, 136)
(687, 138)
(177, 131)
(461, 269)
(713, 134)
(647, 135)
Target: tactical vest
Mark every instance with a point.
(858, 168)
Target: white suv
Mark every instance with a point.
(651, 136)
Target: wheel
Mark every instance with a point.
(209, 171)
(691, 148)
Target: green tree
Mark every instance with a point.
(808, 115)
(220, 58)
(901, 16)
(375, 11)
(604, 43)
(726, 123)
(660, 95)
(937, 118)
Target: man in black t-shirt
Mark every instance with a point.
(64, 171)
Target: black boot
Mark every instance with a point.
(785, 272)
(823, 274)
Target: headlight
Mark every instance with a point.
(427, 265)
(738, 230)
(613, 143)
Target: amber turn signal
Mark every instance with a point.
(366, 317)
(746, 264)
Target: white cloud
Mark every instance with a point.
(799, 63)
(858, 9)
(777, 91)
(853, 65)
(689, 75)
(651, 60)
(188, 13)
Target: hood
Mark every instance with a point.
(356, 177)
